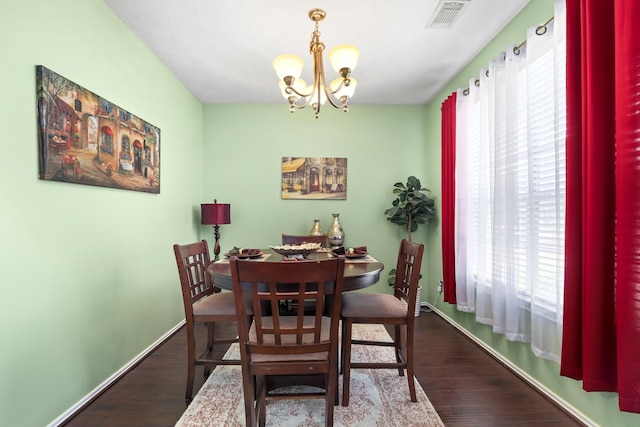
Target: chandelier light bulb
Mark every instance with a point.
(288, 65)
(344, 56)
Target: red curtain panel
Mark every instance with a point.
(589, 336)
(600, 333)
(627, 89)
(448, 180)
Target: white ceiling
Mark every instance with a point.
(222, 49)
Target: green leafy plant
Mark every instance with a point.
(412, 206)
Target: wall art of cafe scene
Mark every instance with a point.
(316, 178)
(85, 139)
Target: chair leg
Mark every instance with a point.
(330, 397)
(397, 339)
(346, 359)
(191, 362)
(336, 385)
(190, 377)
(261, 400)
(249, 387)
(342, 324)
(410, 366)
(211, 329)
(412, 386)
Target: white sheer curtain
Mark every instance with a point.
(510, 191)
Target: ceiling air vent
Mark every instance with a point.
(447, 13)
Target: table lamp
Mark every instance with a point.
(216, 214)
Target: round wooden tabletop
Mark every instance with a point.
(358, 274)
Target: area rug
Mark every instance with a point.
(379, 397)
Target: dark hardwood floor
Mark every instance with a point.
(466, 385)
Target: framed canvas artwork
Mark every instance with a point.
(85, 139)
(314, 178)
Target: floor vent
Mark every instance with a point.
(447, 13)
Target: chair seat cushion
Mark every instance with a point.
(362, 304)
(289, 322)
(219, 304)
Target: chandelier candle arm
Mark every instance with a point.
(343, 59)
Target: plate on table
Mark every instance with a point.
(245, 253)
(350, 253)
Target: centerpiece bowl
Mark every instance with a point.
(297, 251)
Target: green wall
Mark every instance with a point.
(243, 150)
(601, 408)
(87, 274)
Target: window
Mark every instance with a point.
(107, 140)
(125, 151)
(510, 191)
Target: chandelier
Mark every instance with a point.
(343, 59)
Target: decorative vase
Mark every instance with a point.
(336, 234)
(316, 230)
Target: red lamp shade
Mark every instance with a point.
(216, 213)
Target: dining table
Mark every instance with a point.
(359, 272)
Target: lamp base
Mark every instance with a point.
(216, 246)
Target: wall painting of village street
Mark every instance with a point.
(314, 178)
(86, 139)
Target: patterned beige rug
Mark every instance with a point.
(378, 397)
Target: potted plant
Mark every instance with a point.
(412, 206)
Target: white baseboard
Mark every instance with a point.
(112, 379)
(516, 370)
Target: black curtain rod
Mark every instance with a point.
(540, 30)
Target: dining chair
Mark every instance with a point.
(385, 309)
(203, 303)
(301, 347)
(290, 239)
